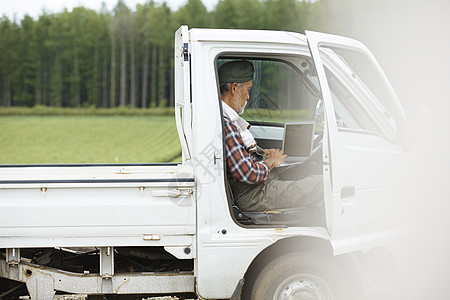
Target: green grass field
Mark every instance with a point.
(88, 139)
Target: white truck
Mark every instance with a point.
(146, 230)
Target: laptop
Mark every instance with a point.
(298, 141)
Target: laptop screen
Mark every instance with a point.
(298, 139)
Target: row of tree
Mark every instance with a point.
(124, 57)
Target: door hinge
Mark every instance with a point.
(186, 51)
(216, 158)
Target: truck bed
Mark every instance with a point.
(96, 205)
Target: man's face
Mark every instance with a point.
(242, 95)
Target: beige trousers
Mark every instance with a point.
(275, 193)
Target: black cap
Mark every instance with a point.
(236, 71)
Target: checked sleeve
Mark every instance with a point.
(242, 166)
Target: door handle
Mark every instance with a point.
(348, 191)
(348, 197)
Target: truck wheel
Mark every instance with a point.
(301, 275)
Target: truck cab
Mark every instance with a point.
(358, 143)
(175, 229)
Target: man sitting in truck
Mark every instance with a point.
(255, 184)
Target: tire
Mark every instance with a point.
(299, 275)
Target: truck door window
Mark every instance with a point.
(285, 89)
(360, 98)
(282, 91)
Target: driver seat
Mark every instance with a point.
(300, 216)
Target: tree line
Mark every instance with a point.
(124, 57)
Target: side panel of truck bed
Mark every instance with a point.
(99, 205)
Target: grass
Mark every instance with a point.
(40, 134)
(41, 110)
(88, 139)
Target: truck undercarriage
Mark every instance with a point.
(125, 271)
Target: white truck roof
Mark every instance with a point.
(240, 35)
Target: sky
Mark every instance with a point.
(34, 8)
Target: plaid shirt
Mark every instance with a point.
(242, 166)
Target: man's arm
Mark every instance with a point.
(242, 165)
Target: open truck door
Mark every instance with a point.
(362, 147)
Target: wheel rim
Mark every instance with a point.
(303, 287)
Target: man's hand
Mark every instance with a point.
(274, 157)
